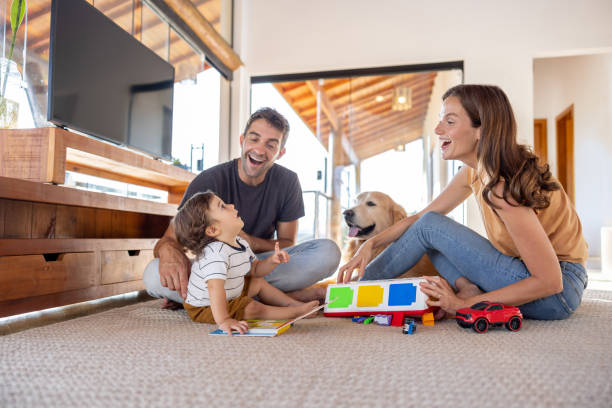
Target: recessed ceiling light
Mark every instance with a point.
(379, 98)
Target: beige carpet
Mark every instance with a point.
(140, 355)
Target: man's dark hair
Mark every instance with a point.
(274, 119)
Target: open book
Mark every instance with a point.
(268, 328)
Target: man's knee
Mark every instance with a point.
(150, 277)
(328, 255)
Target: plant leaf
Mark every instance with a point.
(17, 14)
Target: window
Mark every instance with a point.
(383, 118)
(197, 97)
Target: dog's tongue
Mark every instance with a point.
(353, 231)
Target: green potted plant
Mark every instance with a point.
(9, 70)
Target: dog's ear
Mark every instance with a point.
(398, 213)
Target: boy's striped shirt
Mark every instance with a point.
(219, 261)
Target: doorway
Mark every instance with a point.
(540, 144)
(565, 150)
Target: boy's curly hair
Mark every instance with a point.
(191, 221)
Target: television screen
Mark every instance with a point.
(105, 83)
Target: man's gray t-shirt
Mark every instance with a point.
(277, 199)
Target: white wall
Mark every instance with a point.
(586, 82)
(497, 40)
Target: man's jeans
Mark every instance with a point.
(310, 262)
(456, 250)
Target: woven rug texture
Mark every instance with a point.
(141, 355)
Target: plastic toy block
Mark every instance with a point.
(359, 319)
(383, 320)
(428, 319)
(409, 326)
(368, 320)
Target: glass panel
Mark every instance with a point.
(120, 11)
(195, 124)
(155, 33)
(197, 99)
(186, 61)
(26, 87)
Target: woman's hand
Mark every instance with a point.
(230, 324)
(360, 260)
(440, 289)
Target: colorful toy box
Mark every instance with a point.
(397, 297)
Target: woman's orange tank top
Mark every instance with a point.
(560, 222)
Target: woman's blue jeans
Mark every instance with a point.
(456, 250)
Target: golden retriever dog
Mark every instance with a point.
(373, 213)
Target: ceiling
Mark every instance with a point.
(361, 108)
(136, 19)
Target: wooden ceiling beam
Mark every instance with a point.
(334, 120)
(384, 112)
(387, 121)
(301, 90)
(371, 91)
(383, 146)
(419, 91)
(279, 87)
(205, 32)
(326, 105)
(390, 117)
(390, 131)
(365, 94)
(308, 104)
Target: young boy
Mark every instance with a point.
(218, 290)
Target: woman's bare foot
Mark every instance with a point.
(440, 315)
(468, 290)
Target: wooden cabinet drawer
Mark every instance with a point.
(123, 266)
(32, 275)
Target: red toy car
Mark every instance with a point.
(484, 314)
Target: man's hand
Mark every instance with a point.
(174, 269)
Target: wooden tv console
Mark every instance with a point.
(60, 245)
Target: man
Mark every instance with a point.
(269, 199)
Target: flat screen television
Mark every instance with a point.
(105, 83)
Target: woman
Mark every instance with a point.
(536, 254)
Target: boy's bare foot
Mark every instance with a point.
(307, 307)
(171, 305)
(309, 294)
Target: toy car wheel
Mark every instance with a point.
(481, 325)
(514, 324)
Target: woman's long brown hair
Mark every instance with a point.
(527, 181)
(191, 221)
